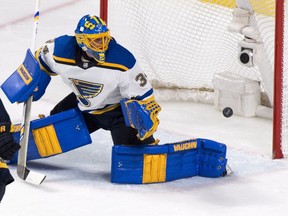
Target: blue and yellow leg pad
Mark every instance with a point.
(167, 162)
(55, 134)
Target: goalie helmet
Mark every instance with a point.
(93, 36)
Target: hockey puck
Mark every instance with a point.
(227, 112)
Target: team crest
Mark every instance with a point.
(86, 90)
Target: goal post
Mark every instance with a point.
(182, 45)
(279, 114)
(104, 9)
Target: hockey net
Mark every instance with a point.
(182, 44)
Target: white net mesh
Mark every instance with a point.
(182, 44)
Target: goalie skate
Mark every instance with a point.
(228, 170)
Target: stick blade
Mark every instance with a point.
(30, 176)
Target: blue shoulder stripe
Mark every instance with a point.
(118, 55)
(147, 94)
(65, 49)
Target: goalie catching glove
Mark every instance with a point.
(141, 115)
(8, 147)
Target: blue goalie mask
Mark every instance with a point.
(93, 36)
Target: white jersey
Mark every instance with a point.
(96, 85)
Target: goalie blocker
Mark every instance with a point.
(27, 80)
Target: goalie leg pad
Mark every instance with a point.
(27, 80)
(212, 158)
(151, 164)
(55, 134)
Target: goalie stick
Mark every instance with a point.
(22, 170)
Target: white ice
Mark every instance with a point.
(78, 182)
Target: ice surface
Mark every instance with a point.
(78, 182)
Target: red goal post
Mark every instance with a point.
(279, 114)
(192, 35)
(104, 10)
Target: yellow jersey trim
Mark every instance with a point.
(101, 64)
(98, 112)
(114, 65)
(64, 60)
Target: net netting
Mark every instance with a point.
(182, 44)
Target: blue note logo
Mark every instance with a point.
(86, 90)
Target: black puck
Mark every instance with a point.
(227, 112)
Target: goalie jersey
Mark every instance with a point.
(96, 85)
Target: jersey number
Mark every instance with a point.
(142, 78)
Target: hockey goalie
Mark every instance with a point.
(109, 91)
